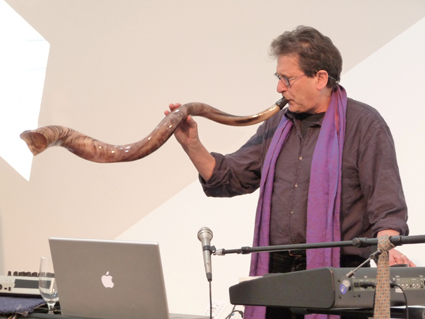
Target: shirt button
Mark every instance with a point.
(292, 212)
(300, 158)
(296, 185)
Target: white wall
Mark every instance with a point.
(113, 68)
(391, 80)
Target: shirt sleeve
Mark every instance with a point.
(239, 173)
(380, 180)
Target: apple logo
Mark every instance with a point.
(107, 280)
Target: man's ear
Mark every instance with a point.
(322, 79)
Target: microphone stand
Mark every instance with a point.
(357, 242)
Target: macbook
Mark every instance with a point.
(110, 279)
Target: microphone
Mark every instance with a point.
(205, 235)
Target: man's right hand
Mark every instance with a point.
(187, 132)
(187, 135)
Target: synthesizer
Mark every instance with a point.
(329, 288)
(19, 284)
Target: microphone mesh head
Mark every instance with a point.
(205, 232)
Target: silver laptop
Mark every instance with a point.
(110, 279)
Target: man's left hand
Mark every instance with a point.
(397, 258)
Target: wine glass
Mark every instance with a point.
(47, 283)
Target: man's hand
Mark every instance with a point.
(187, 135)
(396, 257)
(187, 132)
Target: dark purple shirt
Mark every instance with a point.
(372, 198)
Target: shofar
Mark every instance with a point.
(96, 151)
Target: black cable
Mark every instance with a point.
(231, 312)
(234, 311)
(367, 284)
(406, 311)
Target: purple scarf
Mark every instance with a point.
(323, 224)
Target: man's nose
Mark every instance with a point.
(281, 87)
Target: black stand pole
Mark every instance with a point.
(357, 242)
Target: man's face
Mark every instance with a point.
(302, 93)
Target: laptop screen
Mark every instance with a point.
(109, 278)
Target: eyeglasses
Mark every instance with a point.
(287, 81)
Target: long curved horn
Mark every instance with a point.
(96, 151)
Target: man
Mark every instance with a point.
(325, 165)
